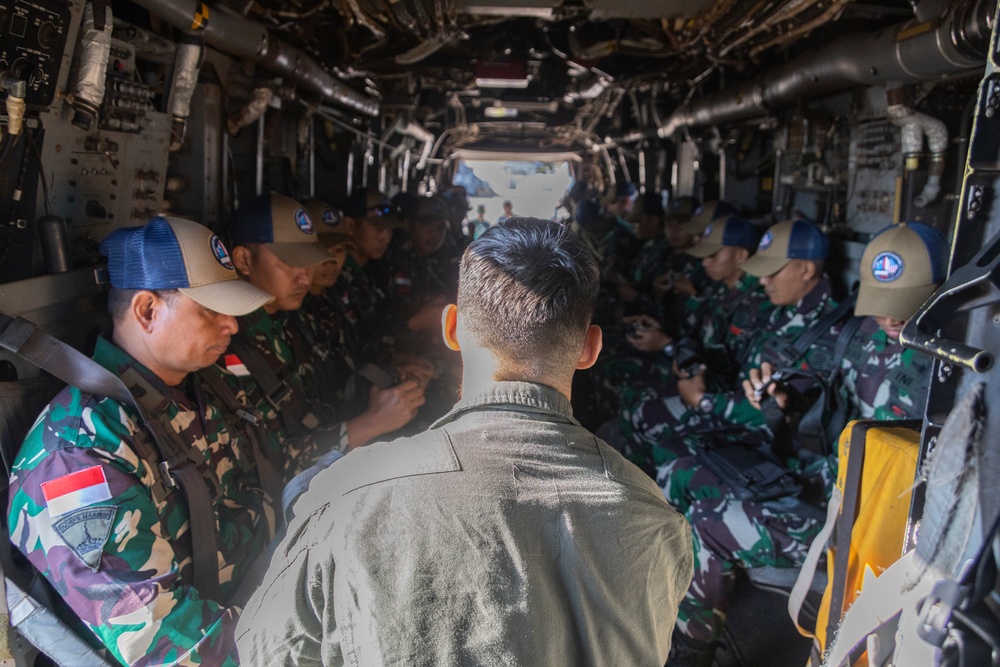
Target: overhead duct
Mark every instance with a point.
(416, 131)
(240, 37)
(908, 52)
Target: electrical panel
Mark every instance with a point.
(114, 175)
(32, 39)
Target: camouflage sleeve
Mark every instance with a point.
(85, 517)
(734, 407)
(290, 454)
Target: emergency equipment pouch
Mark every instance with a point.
(750, 473)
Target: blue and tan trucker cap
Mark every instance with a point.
(733, 230)
(283, 225)
(785, 241)
(332, 226)
(173, 253)
(704, 215)
(901, 267)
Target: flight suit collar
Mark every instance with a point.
(524, 396)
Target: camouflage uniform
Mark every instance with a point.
(723, 327)
(415, 279)
(366, 302)
(121, 556)
(654, 417)
(653, 260)
(616, 250)
(306, 427)
(319, 322)
(677, 308)
(881, 380)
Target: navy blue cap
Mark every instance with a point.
(371, 205)
(625, 189)
(681, 209)
(173, 253)
(730, 230)
(588, 211)
(705, 214)
(785, 241)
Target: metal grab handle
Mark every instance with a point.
(948, 350)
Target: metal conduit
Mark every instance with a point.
(907, 52)
(240, 37)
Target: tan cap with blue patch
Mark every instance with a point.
(900, 268)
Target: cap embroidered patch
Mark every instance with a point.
(708, 230)
(330, 218)
(303, 222)
(220, 252)
(75, 490)
(887, 266)
(235, 365)
(766, 240)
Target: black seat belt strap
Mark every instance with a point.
(182, 465)
(50, 354)
(811, 335)
(252, 427)
(843, 340)
(55, 357)
(275, 391)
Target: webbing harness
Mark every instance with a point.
(250, 422)
(182, 466)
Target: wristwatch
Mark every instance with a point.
(706, 404)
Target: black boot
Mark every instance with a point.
(685, 652)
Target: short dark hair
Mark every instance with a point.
(529, 287)
(120, 300)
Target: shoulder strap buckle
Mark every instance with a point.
(165, 475)
(280, 397)
(248, 415)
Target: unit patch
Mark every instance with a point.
(303, 221)
(86, 531)
(330, 217)
(887, 266)
(220, 252)
(766, 240)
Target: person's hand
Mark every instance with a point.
(645, 333)
(691, 389)
(388, 410)
(759, 383)
(419, 370)
(662, 284)
(684, 287)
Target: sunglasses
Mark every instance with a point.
(381, 211)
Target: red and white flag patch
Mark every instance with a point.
(236, 366)
(75, 490)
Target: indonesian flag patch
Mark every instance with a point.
(75, 490)
(236, 366)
